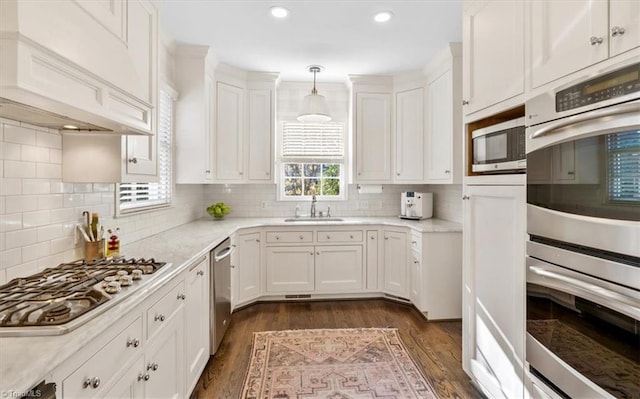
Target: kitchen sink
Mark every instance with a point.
(317, 219)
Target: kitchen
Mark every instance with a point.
(45, 186)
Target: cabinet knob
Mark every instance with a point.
(397, 174)
(133, 342)
(267, 173)
(359, 174)
(447, 171)
(241, 173)
(207, 171)
(159, 317)
(386, 238)
(372, 238)
(328, 237)
(181, 296)
(351, 236)
(233, 266)
(596, 41)
(302, 237)
(318, 253)
(152, 366)
(617, 31)
(133, 160)
(91, 382)
(311, 253)
(465, 197)
(414, 242)
(143, 377)
(465, 102)
(200, 272)
(277, 237)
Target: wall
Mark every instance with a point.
(260, 201)
(38, 212)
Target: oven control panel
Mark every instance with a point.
(614, 84)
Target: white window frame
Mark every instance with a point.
(165, 150)
(318, 158)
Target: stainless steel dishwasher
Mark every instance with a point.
(221, 292)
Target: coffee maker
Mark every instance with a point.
(416, 206)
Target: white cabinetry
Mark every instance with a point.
(290, 269)
(197, 319)
(493, 52)
(494, 288)
(567, 36)
(339, 268)
(165, 360)
(443, 164)
(396, 279)
(130, 385)
(229, 141)
(247, 265)
(194, 77)
(409, 116)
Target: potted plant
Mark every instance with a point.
(218, 210)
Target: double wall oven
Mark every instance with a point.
(583, 221)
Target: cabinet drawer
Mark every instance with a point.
(98, 371)
(416, 242)
(274, 237)
(339, 236)
(161, 311)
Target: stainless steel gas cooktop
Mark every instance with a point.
(61, 298)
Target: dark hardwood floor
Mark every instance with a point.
(434, 346)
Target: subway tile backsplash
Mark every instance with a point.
(39, 212)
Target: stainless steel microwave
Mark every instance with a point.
(500, 148)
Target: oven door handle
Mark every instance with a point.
(597, 293)
(593, 116)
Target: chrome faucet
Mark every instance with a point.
(313, 205)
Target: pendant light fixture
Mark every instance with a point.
(314, 106)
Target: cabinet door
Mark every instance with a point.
(494, 288)
(248, 267)
(566, 36)
(339, 268)
(165, 360)
(410, 136)
(493, 52)
(131, 384)
(141, 157)
(395, 263)
(440, 129)
(259, 135)
(373, 137)
(624, 26)
(290, 269)
(197, 313)
(229, 133)
(373, 249)
(415, 280)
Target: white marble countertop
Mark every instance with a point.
(25, 361)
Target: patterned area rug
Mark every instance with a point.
(351, 363)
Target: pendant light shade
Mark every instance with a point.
(314, 106)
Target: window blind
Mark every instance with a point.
(623, 166)
(312, 140)
(142, 195)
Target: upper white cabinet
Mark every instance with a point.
(443, 164)
(260, 123)
(493, 321)
(372, 129)
(409, 116)
(229, 140)
(91, 61)
(567, 36)
(195, 118)
(493, 52)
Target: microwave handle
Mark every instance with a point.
(588, 116)
(596, 293)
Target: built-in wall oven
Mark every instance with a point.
(583, 221)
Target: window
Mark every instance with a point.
(623, 167)
(312, 160)
(135, 197)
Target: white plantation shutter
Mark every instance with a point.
(312, 140)
(146, 195)
(623, 169)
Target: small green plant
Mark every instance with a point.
(218, 210)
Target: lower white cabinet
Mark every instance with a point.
(290, 269)
(494, 287)
(130, 385)
(339, 268)
(246, 264)
(164, 360)
(197, 319)
(395, 280)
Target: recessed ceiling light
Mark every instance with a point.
(279, 12)
(383, 16)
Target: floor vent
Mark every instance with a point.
(301, 296)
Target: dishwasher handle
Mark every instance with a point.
(224, 253)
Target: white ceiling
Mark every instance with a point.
(339, 35)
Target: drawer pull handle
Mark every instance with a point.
(159, 317)
(596, 41)
(133, 160)
(616, 30)
(91, 382)
(182, 296)
(200, 272)
(133, 342)
(143, 377)
(152, 366)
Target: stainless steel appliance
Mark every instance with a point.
(221, 292)
(583, 221)
(499, 148)
(416, 206)
(60, 299)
